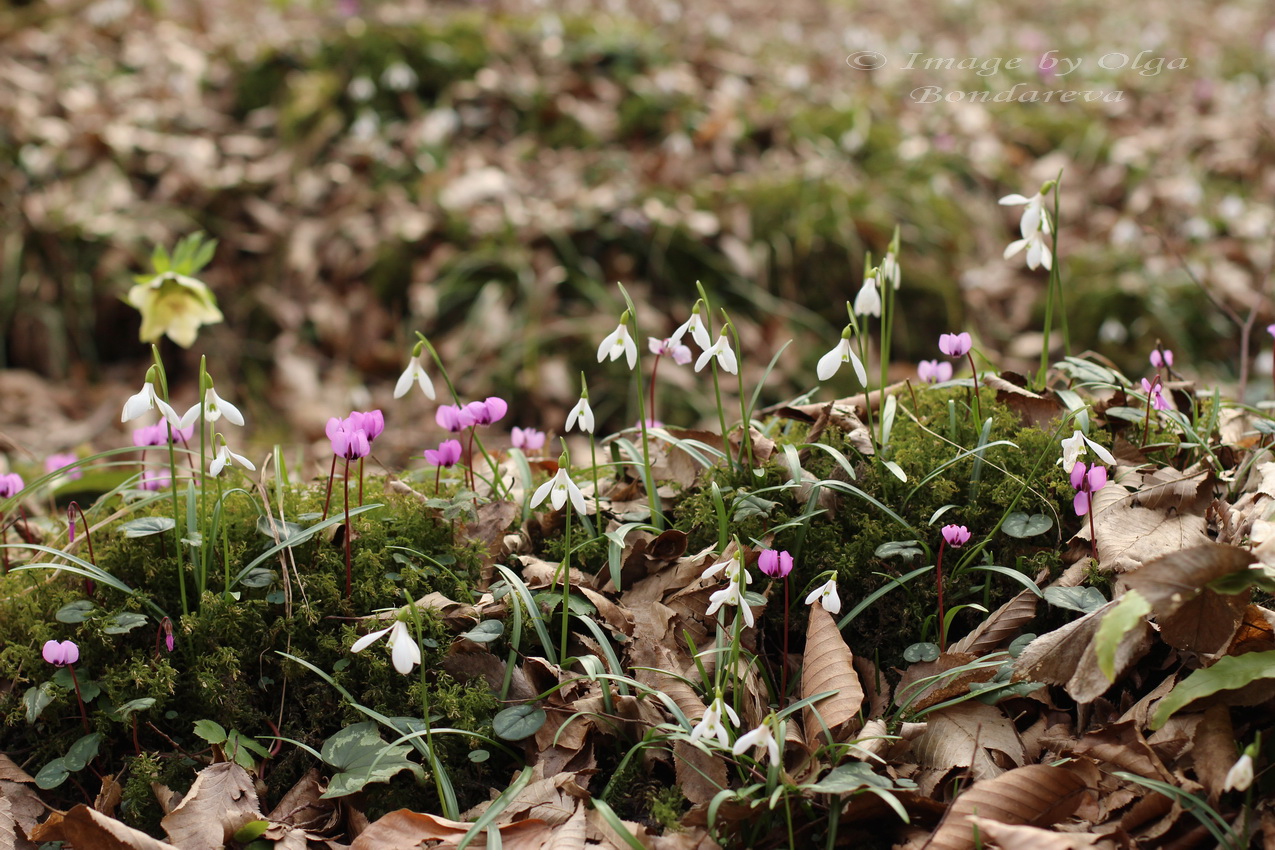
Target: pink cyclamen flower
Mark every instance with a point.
(56, 462)
(154, 479)
(1161, 358)
(371, 422)
(528, 438)
(147, 435)
(955, 345)
(1086, 481)
(776, 564)
(347, 441)
(447, 454)
(61, 653)
(1155, 395)
(10, 485)
(670, 347)
(489, 411)
(454, 418)
(1270, 329)
(934, 371)
(956, 535)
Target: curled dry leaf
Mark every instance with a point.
(828, 665)
(1192, 616)
(222, 800)
(407, 830)
(1012, 837)
(1036, 795)
(86, 827)
(1068, 656)
(1000, 627)
(966, 735)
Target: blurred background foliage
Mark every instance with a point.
(486, 172)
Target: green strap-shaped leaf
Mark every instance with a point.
(1126, 615)
(1228, 674)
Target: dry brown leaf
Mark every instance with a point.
(1036, 795)
(1120, 745)
(700, 775)
(109, 797)
(10, 772)
(1167, 487)
(1213, 752)
(89, 828)
(407, 830)
(962, 736)
(1130, 535)
(303, 806)
(25, 808)
(1000, 627)
(828, 665)
(1191, 615)
(1068, 657)
(222, 800)
(1011, 837)
(923, 683)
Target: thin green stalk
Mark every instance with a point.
(717, 388)
(657, 516)
(745, 414)
(436, 766)
(566, 582)
(201, 568)
(597, 493)
(172, 483)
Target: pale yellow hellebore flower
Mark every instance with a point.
(176, 305)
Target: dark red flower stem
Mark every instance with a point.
(84, 715)
(347, 529)
(783, 675)
(938, 580)
(655, 370)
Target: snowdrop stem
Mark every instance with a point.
(345, 483)
(597, 493)
(938, 580)
(745, 415)
(435, 768)
(496, 478)
(721, 416)
(566, 582)
(172, 483)
(225, 545)
(978, 405)
(887, 322)
(201, 568)
(451, 388)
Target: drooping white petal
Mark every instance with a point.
(542, 492)
(404, 651)
(1010, 200)
(1014, 247)
(831, 362)
(577, 498)
(868, 301)
(218, 463)
(368, 639)
(1104, 455)
(219, 407)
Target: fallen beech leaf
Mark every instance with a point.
(1037, 795)
(828, 665)
(1213, 752)
(1130, 536)
(109, 797)
(1191, 615)
(1121, 745)
(220, 802)
(962, 735)
(1013, 837)
(25, 809)
(10, 772)
(700, 775)
(1068, 656)
(407, 830)
(89, 828)
(1000, 627)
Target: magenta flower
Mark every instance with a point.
(776, 564)
(670, 347)
(955, 345)
(956, 535)
(347, 441)
(371, 422)
(447, 454)
(1160, 359)
(1270, 329)
(454, 418)
(61, 653)
(10, 485)
(154, 479)
(934, 371)
(1155, 396)
(148, 435)
(55, 462)
(489, 411)
(528, 438)
(1087, 482)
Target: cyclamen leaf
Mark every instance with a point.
(518, 722)
(75, 612)
(1022, 525)
(147, 526)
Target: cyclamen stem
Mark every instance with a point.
(978, 405)
(346, 487)
(469, 458)
(1093, 534)
(938, 578)
(89, 586)
(654, 371)
(84, 715)
(783, 664)
(360, 482)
